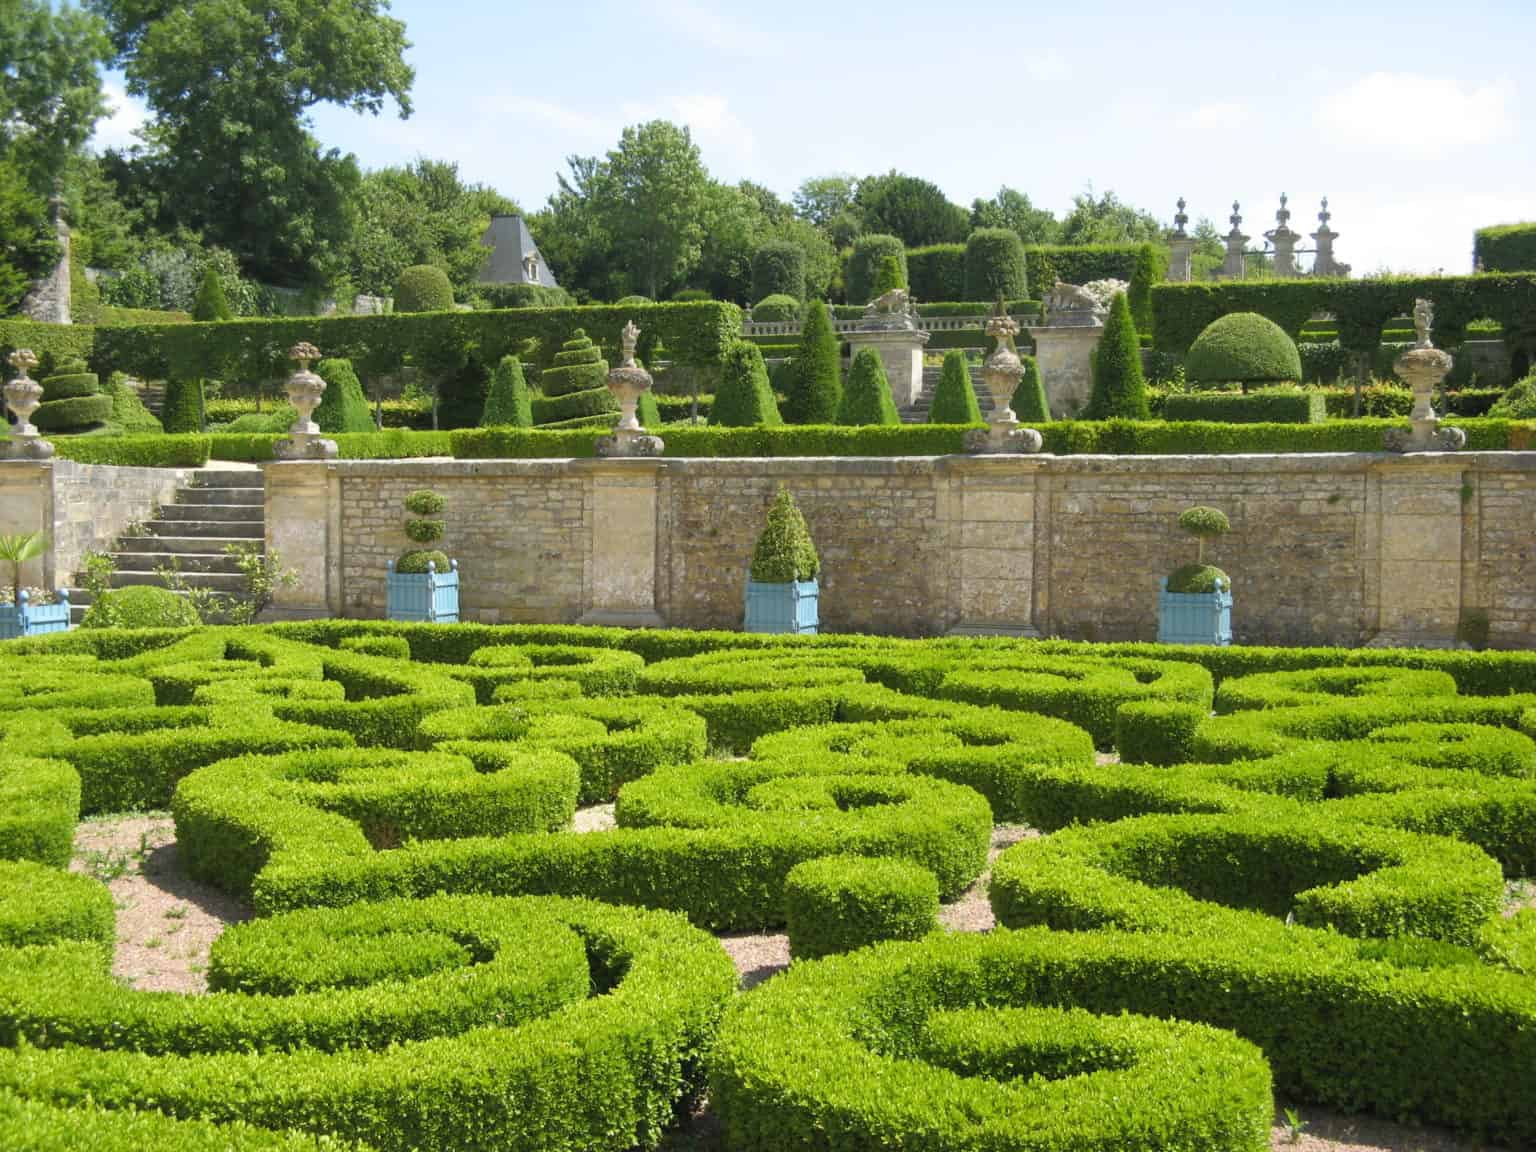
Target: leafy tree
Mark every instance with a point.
(212, 304)
(867, 399)
(28, 248)
(1012, 209)
(1106, 220)
(816, 391)
(1029, 403)
(915, 210)
(51, 98)
(508, 402)
(648, 197)
(744, 398)
(231, 82)
(954, 400)
(571, 237)
(1210, 252)
(822, 199)
(1118, 387)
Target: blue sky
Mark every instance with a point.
(1414, 118)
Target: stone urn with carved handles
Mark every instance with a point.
(305, 391)
(628, 382)
(22, 396)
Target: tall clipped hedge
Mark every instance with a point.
(181, 410)
(343, 408)
(1078, 264)
(867, 398)
(994, 265)
(778, 269)
(1119, 389)
(744, 398)
(1148, 271)
(816, 391)
(864, 264)
(507, 403)
(1505, 248)
(937, 272)
(954, 400)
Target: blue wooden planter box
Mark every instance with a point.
(790, 607)
(26, 619)
(431, 596)
(1194, 617)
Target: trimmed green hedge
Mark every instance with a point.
(1505, 248)
(841, 903)
(1291, 406)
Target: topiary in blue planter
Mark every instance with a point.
(430, 597)
(783, 594)
(27, 619)
(1195, 617)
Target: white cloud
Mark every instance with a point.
(1426, 231)
(128, 113)
(571, 121)
(1412, 114)
(1219, 116)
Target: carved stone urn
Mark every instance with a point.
(22, 396)
(1422, 368)
(1001, 373)
(628, 382)
(305, 391)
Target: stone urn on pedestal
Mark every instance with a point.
(1422, 368)
(22, 396)
(1001, 373)
(305, 391)
(628, 382)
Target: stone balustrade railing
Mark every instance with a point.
(791, 328)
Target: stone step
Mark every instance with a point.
(219, 581)
(202, 497)
(233, 513)
(203, 561)
(245, 530)
(184, 544)
(228, 478)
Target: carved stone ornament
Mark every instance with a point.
(1422, 368)
(1001, 373)
(305, 391)
(22, 396)
(1072, 306)
(628, 382)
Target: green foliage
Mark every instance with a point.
(152, 451)
(1198, 578)
(1268, 406)
(423, 288)
(744, 398)
(30, 249)
(778, 269)
(1079, 263)
(915, 211)
(140, 606)
(888, 276)
(78, 413)
(842, 903)
(816, 390)
(181, 410)
(954, 400)
(865, 262)
(1151, 266)
(507, 404)
(1118, 388)
(994, 265)
(128, 411)
(15, 550)
(867, 398)
(496, 296)
(1519, 403)
(422, 527)
(211, 305)
(771, 309)
(1012, 209)
(784, 550)
(416, 561)
(1505, 248)
(1029, 403)
(1158, 732)
(1204, 523)
(1243, 348)
(937, 272)
(343, 407)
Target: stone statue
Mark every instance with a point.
(1070, 298)
(628, 338)
(891, 303)
(1423, 320)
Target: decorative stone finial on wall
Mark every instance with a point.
(305, 391)
(628, 382)
(1423, 367)
(22, 396)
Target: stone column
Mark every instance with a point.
(303, 514)
(1324, 263)
(1419, 511)
(621, 583)
(1234, 266)
(1181, 249)
(901, 351)
(1064, 358)
(1284, 240)
(992, 543)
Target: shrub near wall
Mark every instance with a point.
(1290, 406)
(937, 272)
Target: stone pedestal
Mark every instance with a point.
(1064, 358)
(992, 543)
(622, 586)
(303, 517)
(901, 351)
(1181, 252)
(1419, 555)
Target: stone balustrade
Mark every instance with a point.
(791, 328)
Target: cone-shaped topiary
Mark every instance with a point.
(1245, 349)
(1119, 389)
(867, 399)
(507, 403)
(1203, 524)
(784, 551)
(423, 288)
(816, 391)
(576, 385)
(954, 400)
(744, 398)
(1029, 403)
(211, 306)
(423, 527)
(182, 408)
(343, 407)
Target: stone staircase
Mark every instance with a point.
(216, 510)
(917, 411)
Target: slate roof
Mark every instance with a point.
(509, 242)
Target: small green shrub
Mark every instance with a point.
(840, 903)
(1157, 731)
(423, 288)
(867, 398)
(140, 606)
(744, 398)
(1269, 406)
(181, 410)
(816, 390)
(1519, 403)
(343, 407)
(954, 400)
(776, 309)
(507, 404)
(784, 551)
(1119, 390)
(1029, 402)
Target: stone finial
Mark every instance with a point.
(1236, 217)
(305, 391)
(1324, 216)
(628, 382)
(304, 353)
(1422, 368)
(1283, 216)
(628, 339)
(23, 360)
(22, 396)
(1180, 219)
(1423, 321)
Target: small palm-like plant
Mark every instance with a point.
(16, 549)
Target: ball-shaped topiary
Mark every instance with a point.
(1245, 349)
(423, 288)
(1519, 403)
(954, 400)
(141, 606)
(840, 903)
(343, 407)
(778, 269)
(423, 527)
(784, 551)
(864, 265)
(1203, 524)
(744, 398)
(867, 398)
(776, 309)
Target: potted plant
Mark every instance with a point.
(1195, 604)
(24, 615)
(423, 583)
(782, 587)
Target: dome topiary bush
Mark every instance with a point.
(1242, 349)
(994, 265)
(784, 551)
(140, 606)
(864, 265)
(1203, 524)
(343, 407)
(507, 404)
(744, 398)
(816, 388)
(954, 400)
(776, 310)
(423, 288)
(867, 398)
(1029, 403)
(423, 528)
(1519, 403)
(840, 903)
(778, 269)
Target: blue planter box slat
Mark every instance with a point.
(430, 597)
(790, 607)
(1194, 617)
(27, 619)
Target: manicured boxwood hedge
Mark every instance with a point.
(841, 903)
(1290, 406)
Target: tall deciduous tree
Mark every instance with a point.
(1107, 220)
(915, 210)
(50, 97)
(1012, 209)
(648, 197)
(231, 82)
(822, 199)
